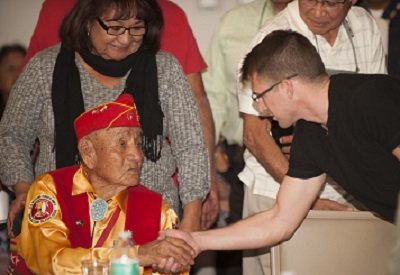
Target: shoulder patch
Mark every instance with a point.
(42, 209)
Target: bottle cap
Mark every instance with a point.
(125, 235)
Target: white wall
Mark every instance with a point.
(204, 21)
(18, 19)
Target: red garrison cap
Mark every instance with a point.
(119, 113)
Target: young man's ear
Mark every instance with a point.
(286, 86)
(87, 152)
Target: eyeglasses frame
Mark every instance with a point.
(106, 28)
(256, 97)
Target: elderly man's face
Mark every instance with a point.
(118, 155)
(323, 19)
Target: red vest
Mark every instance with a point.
(143, 210)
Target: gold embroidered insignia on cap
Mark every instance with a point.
(129, 115)
(42, 209)
(104, 108)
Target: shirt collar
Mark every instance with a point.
(82, 185)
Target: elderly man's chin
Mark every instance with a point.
(131, 180)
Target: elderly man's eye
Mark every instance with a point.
(139, 144)
(122, 143)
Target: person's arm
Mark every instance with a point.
(210, 206)
(259, 142)
(266, 228)
(188, 145)
(191, 220)
(20, 190)
(18, 131)
(177, 28)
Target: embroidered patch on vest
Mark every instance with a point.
(41, 209)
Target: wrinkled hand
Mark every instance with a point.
(210, 208)
(286, 142)
(166, 255)
(168, 266)
(186, 236)
(16, 206)
(324, 204)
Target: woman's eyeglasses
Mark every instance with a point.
(118, 30)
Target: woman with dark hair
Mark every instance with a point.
(108, 47)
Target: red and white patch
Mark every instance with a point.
(41, 209)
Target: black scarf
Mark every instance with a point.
(67, 99)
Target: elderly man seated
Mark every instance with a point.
(75, 213)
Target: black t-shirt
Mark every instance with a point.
(363, 128)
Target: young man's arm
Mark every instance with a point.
(266, 228)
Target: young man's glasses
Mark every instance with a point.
(118, 30)
(256, 97)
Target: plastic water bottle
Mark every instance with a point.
(124, 260)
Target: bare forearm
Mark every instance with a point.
(269, 227)
(21, 188)
(191, 216)
(256, 231)
(21, 191)
(260, 143)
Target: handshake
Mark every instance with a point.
(174, 251)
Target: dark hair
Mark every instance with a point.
(73, 31)
(6, 49)
(283, 53)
